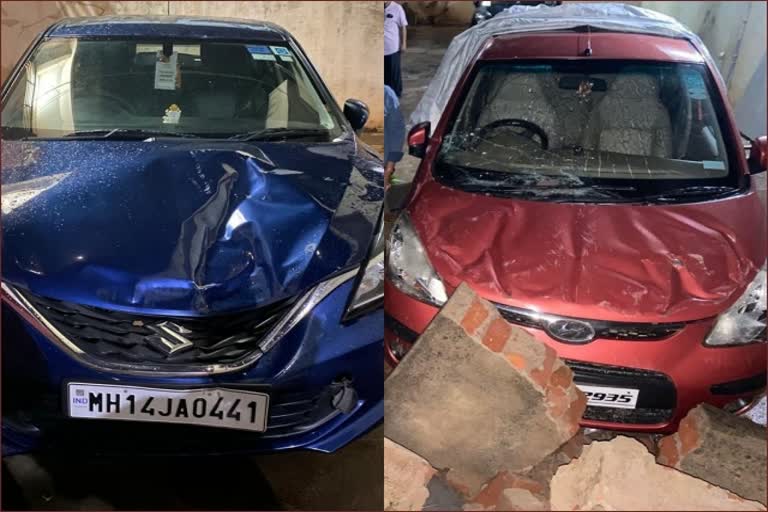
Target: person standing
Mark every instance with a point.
(394, 44)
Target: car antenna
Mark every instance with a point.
(588, 50)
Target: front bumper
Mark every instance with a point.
(673, 375)
(320, 357)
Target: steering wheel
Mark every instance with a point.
(530, 130)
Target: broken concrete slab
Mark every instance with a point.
(721, 448)
(477, 395)
(406, 476)
(528, 489)
(622, 475)
(650, 441)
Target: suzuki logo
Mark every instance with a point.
(170, 337)
(571, 331)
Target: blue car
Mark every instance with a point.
(192, 253)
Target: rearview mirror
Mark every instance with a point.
(418, 139)
(758, 155)
(356, 113)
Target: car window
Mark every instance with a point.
(204, 88)
(632, 125)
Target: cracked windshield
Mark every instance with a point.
(134, 89)
(592, 131)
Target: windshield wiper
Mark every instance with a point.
(672, 195)
(117, 134)
(271, 134)
(126, 134)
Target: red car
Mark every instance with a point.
(595, 187)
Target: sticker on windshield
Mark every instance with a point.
(166, 71)
(697, 90)
(713, 165)
(172, 115)
(282, 52)
(260, 53)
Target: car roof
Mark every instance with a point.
(572, 44)
(188, 27)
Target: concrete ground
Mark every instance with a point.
(350, 479)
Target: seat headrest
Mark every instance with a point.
(522, 83)
(101, 58)
(228, 58)
(635, 85)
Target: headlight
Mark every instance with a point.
(408, 267)
(485, 3)
(744, 322)
(370, 289)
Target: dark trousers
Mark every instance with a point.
(392, 76)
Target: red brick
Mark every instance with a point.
(496, 336)
(516, 360)
(474, 317)
(561, 377)
(688, 434)
(557, 401)
(541, 375)
(668, 454)
(576, 411)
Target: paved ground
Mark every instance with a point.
(350, 479)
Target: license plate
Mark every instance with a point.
(212, 407)
(603, 396)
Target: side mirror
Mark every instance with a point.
(758, 155)
(418, 139)
(356, 113)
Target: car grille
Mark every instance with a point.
(626, 331)
(656, 401)
(126, 338)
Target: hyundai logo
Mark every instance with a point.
(571, 331)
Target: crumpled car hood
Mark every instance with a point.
(184, 227)
(654, 263)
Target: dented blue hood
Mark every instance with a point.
(184, 227)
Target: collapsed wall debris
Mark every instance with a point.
(477, 396)
(622, 475)
(482, 406)
(723, 449)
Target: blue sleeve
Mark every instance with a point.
(394, 127)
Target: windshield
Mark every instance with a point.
(73, 86)
(592, 130)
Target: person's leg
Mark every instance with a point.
(388, 76)
(397, 79)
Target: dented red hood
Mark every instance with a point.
(655, 263)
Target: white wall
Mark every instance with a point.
(735, 34)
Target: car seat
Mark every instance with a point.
(631, 119)
(225, 94)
